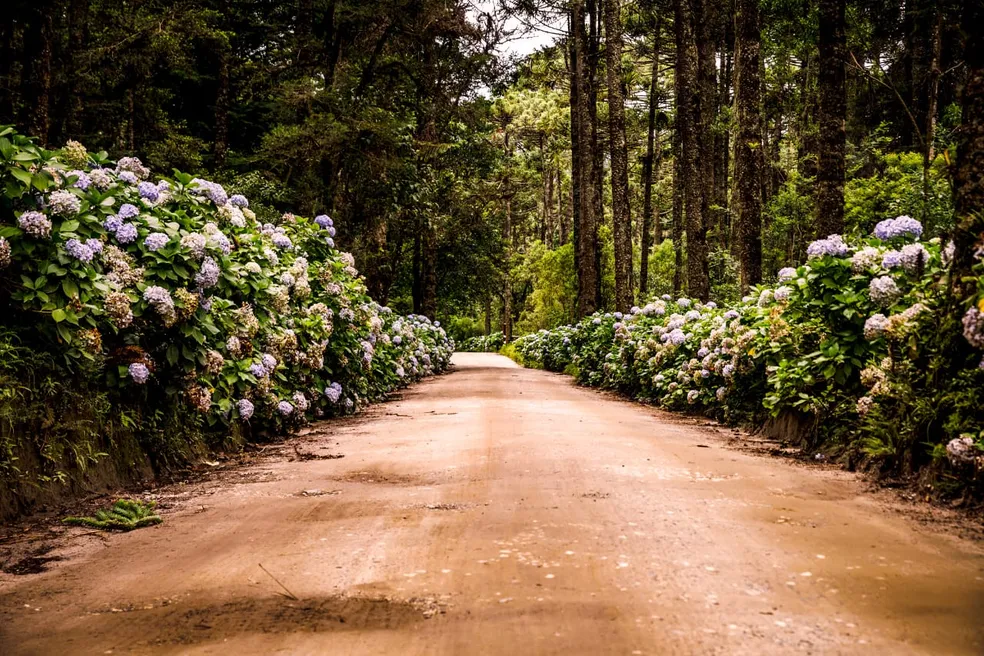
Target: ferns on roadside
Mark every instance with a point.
(124, 515)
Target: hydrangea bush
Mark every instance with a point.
(169, 287)
(840, 341)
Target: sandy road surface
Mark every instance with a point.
(499, 510)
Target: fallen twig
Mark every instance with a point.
(289, 595)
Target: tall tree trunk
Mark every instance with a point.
(679, 189)
(507, 238)
(577, 166)
(648, 166)
(222, 102)
(7, 55)
(932, 98)
(706, 16)
(586, 229)
(748, 143)
(78, 28)
(969, 180)
(722, 159)
(597, 153)
(689, 119)
(621, 217)
(36, 71)
(831, 118)
(488, 315)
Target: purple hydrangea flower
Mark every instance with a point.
(285, 408)
(269, 362)
(245, 408)
(95, 245)
(333, 392)
(35, 224)
(397, 340)
(258, 370)
(208, 274)
(128, 177)
(282, 241)
(149, 191)
(238, 200)
(330, 242)
(787, 273)
(323, 220)
(112, 223)
(833, 246)
(139, 373)
(731, 314)
(128, 211)
(126, 233)
(155, 241)
(914, 257)
(82, 179)
(64, 203)
(973, 327)
(211, 190)
(78, 250)
(891, 259)
(676, 337)
(902, 226)
(883, 291)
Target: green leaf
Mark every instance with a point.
(58, 315)
(70, 288)
(173, 354)
(21, 175)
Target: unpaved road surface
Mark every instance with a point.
(498, 510)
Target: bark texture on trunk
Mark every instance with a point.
(586, 228)
(689, 121)
(831, 118)
(969, 183)
(621, 217)
(748, 142)
(648, 166)
(678, 200)
(37, 71)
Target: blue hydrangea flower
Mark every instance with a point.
(128, 177)
(112, 223)
(64, 203)
(833, 246)
(269, 362)
(258, 370)
(78, 250)
(149, 191)
(126, 233)
(35, 224)
(139, 373)
(902, 226)
(245, 408)
(330, 242)
(282, 241)
(155, 241)
(333, 392)
(397, 340)
(208, 274)
(787, 273)
(285, 408)
(323, 220)
(891, 259)
(128, 211)
(82, 179)
(238, 200)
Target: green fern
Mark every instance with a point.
(124, 515)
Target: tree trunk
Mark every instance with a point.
(78, 38)
(36, 71)
(690, 119)
(969, 179)
(748, 143)
(507, 239)
(831, 118)
(575, 118)
(586, 228)
(222, 100)
(621, 217)
(597, 153)
(722, 160)
(678, 199)
(648, 166)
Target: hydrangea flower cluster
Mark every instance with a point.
(64, 203)
(78, 250)
(139, 373)
(903, 226)
(35, 224)
(884, 291)
(832, 246)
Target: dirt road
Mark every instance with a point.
(498, 510)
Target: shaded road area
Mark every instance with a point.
(499, 510)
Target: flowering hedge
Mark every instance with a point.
(170, 287)
(490, 343)
(845, 341)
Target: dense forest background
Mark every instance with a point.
(689, 146)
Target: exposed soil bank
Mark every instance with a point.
(502, 510)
